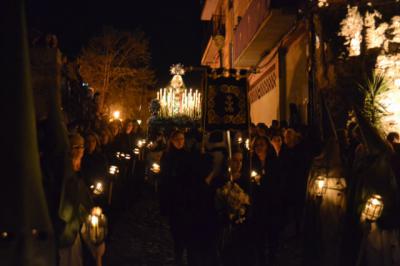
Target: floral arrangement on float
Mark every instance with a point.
(233, 201)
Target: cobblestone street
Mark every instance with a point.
(141, 238)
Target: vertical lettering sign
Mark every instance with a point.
(226, 104)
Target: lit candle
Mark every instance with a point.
(140, 143)
(113, 170)
(97, 188)
(247, 144)
(320, 186)
(96, 226)
(255, 177)
(155, 168)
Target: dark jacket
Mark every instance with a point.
(94, 166)
(267, 197)
(175, 182)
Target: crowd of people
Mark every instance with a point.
(189, 181)
(270, 165)
(80, 177)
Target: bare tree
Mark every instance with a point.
(116, 63)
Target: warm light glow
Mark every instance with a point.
(96, 211)
(116, 114)
(96, 226)
(155, 168)
(351, 29)
(240, 140)
(176, 100)
(247, 144)
(94, 220)
(127, 156)
(375, 36)
(373, 208)
(140, 143)
(323, 3)
(113, 169)
(177, 103)
(255, 177)
(136, 151)
(320, 186)
(389, 66)
(97, 188)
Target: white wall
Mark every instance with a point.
(264, 91)
(297, 77)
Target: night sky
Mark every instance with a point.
(173, 27)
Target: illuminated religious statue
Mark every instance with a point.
(178, 101)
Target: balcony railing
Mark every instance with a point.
(216, 26)
(255, 15)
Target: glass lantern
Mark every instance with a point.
(373, 208)
(96, 226)
(113, 170)
(155, 168)
(97, 188)
(320, 186)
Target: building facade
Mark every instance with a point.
(267, 37)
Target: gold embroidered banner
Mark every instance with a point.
(226, 105)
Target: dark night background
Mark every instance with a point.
(173, 27)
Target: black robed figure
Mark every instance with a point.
(26, 233)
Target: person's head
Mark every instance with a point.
(236, 161)
(291, 137)
(105, 136)
(253, 129)
(177, 140)
(77, 145)
(129, 127)
(96, 97)
(276, 140)
(114, 128)
(393, 137)
(275, 124)
(261, 145)
(262, 129)
(90, 92)
(92, 142)
(283, 124)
